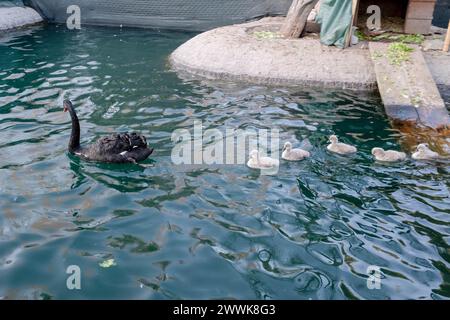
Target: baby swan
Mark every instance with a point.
(339, 147)
(424, 153)
(388, 155)
(258, 162)
(293, 154)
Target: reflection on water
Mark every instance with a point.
(198, 231)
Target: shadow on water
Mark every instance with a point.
(121, 177)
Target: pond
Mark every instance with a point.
(167, 231)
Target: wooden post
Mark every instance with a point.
(355, 5)
(297, 17)
(447, 38)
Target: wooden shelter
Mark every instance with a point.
(416, 15)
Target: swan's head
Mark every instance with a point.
(333, 139)
(287, 146)
(422, 147)
(67, 105)
(254, 154)
(377, 151)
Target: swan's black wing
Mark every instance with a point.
(114, 144)
(139, 148)
(139, 154)
(136, 140)
(119, 148)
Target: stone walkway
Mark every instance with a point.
(408, 90)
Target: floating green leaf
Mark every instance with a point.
(107, 263)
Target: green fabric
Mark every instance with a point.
(335, 17)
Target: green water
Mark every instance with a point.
(201, 232)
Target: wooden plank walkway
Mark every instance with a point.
(408, 90)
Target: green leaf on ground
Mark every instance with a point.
(398, 53)
(266, 35)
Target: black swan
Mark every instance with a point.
(116, 148)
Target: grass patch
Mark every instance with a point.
(413, 38)
(362, 36)
(398, 52)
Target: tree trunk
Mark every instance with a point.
(297, 17)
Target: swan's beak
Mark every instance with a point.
(67, 105)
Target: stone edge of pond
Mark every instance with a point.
(235, 53)
(16, 17)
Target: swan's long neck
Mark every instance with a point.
(74, 143)
(255, 158)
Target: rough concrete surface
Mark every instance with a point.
(13, 17)
(235, 53)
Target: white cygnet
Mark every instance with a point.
(424, 153)
(339, 147)
(258, 162)
(293, 154)
(388, 155)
